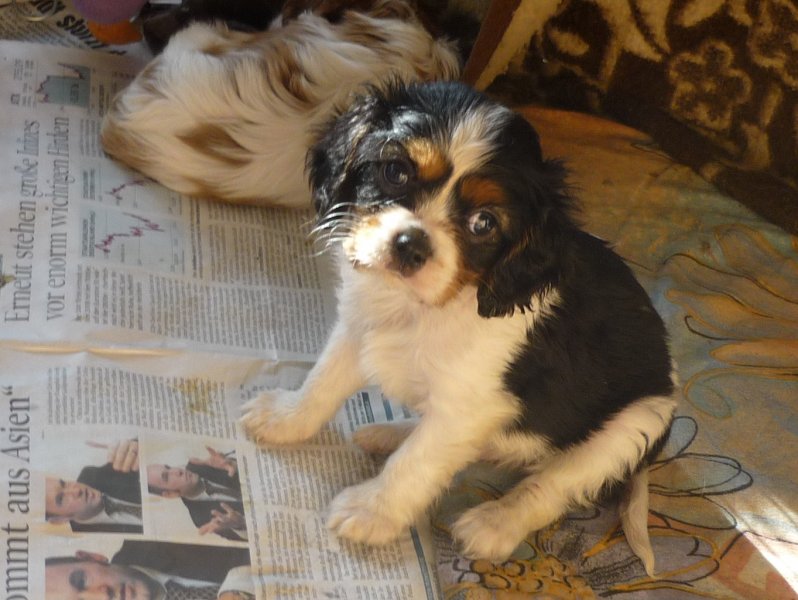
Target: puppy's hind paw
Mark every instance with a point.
(382, 438)
(277, 417)
(487, 532)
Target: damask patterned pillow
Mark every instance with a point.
(714, 82)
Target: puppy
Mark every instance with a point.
(230, 115)
(469, 294)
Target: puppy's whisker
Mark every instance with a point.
(327, 246)
(337, 232)
(331, 237)
(342, 220)
(331, 234)
(319, 253)
(309, 223)
(333, 226)
(333, 241)
(339, 207)
(334, 212)
(332, 222)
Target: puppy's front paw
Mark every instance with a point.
(277, 417)
(488, 531)
(360, 514)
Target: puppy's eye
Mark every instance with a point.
(481, 222)
(396, 174)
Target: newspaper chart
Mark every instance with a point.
(133, 324)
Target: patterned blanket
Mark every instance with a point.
(724, 493)
(715, 82)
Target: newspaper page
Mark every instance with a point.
(134, 322)
(125, 260)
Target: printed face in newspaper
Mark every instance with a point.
(65, 500)
(87, 575)
(172, 481)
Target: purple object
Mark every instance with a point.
(109, 11)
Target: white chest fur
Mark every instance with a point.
(418, 354)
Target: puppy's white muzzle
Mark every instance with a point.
(393, 239)
(415, 249)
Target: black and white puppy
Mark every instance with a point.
(469, 294)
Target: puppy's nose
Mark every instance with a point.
(411, 249)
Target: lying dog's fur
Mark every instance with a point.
(469, 294)
(231, 115)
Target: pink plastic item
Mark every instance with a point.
(109, 11)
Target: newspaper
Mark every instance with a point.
(134, 322)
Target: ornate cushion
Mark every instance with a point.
(714, 82)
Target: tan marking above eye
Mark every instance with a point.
(431, 161)
(482, 191)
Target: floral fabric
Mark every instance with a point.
(724, 493)
(714, 82)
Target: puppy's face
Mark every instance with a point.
(436, 188)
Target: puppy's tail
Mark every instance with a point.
(634, 519)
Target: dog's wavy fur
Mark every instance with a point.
(230, 115)
(470, 294)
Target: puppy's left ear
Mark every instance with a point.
(330, 160)
(533, 260)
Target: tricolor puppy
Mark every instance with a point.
(230, 116)
(469, 294)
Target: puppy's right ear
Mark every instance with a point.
(332, 160)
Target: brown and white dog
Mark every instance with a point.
(229, 115)
(469, 294)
